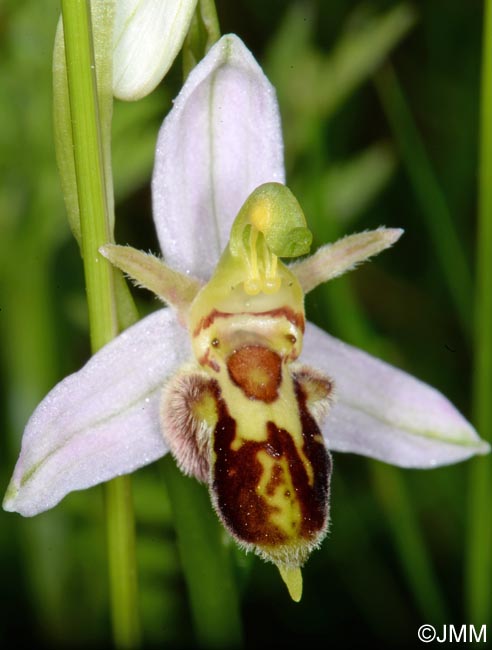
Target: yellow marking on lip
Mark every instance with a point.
(205, 409)
(251, 416)
(281, 496)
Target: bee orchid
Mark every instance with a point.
(229, 377)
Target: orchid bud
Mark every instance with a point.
(147, 36)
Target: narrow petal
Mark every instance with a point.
(174, 288)
(344, 255)
(102, 421)
(384, 413)
(147, 37)
(221, 140)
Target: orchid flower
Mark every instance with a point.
(229, 377)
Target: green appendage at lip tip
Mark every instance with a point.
(293, 581)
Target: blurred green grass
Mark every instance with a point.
(395, 555)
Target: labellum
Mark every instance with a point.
(243, 417)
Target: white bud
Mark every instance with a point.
(148, 35)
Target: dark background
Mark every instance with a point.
(391, 139)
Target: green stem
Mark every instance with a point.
(89, 169)
(122, 563)
(95, 229)
(437, 217)
(479, 560)
(207, 562)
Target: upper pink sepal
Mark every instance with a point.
(221, 140)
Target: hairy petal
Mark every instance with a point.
(148, 271)
(343, 255)
(103, 420)
(221, 140)
(147, 37)
(384, 413)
